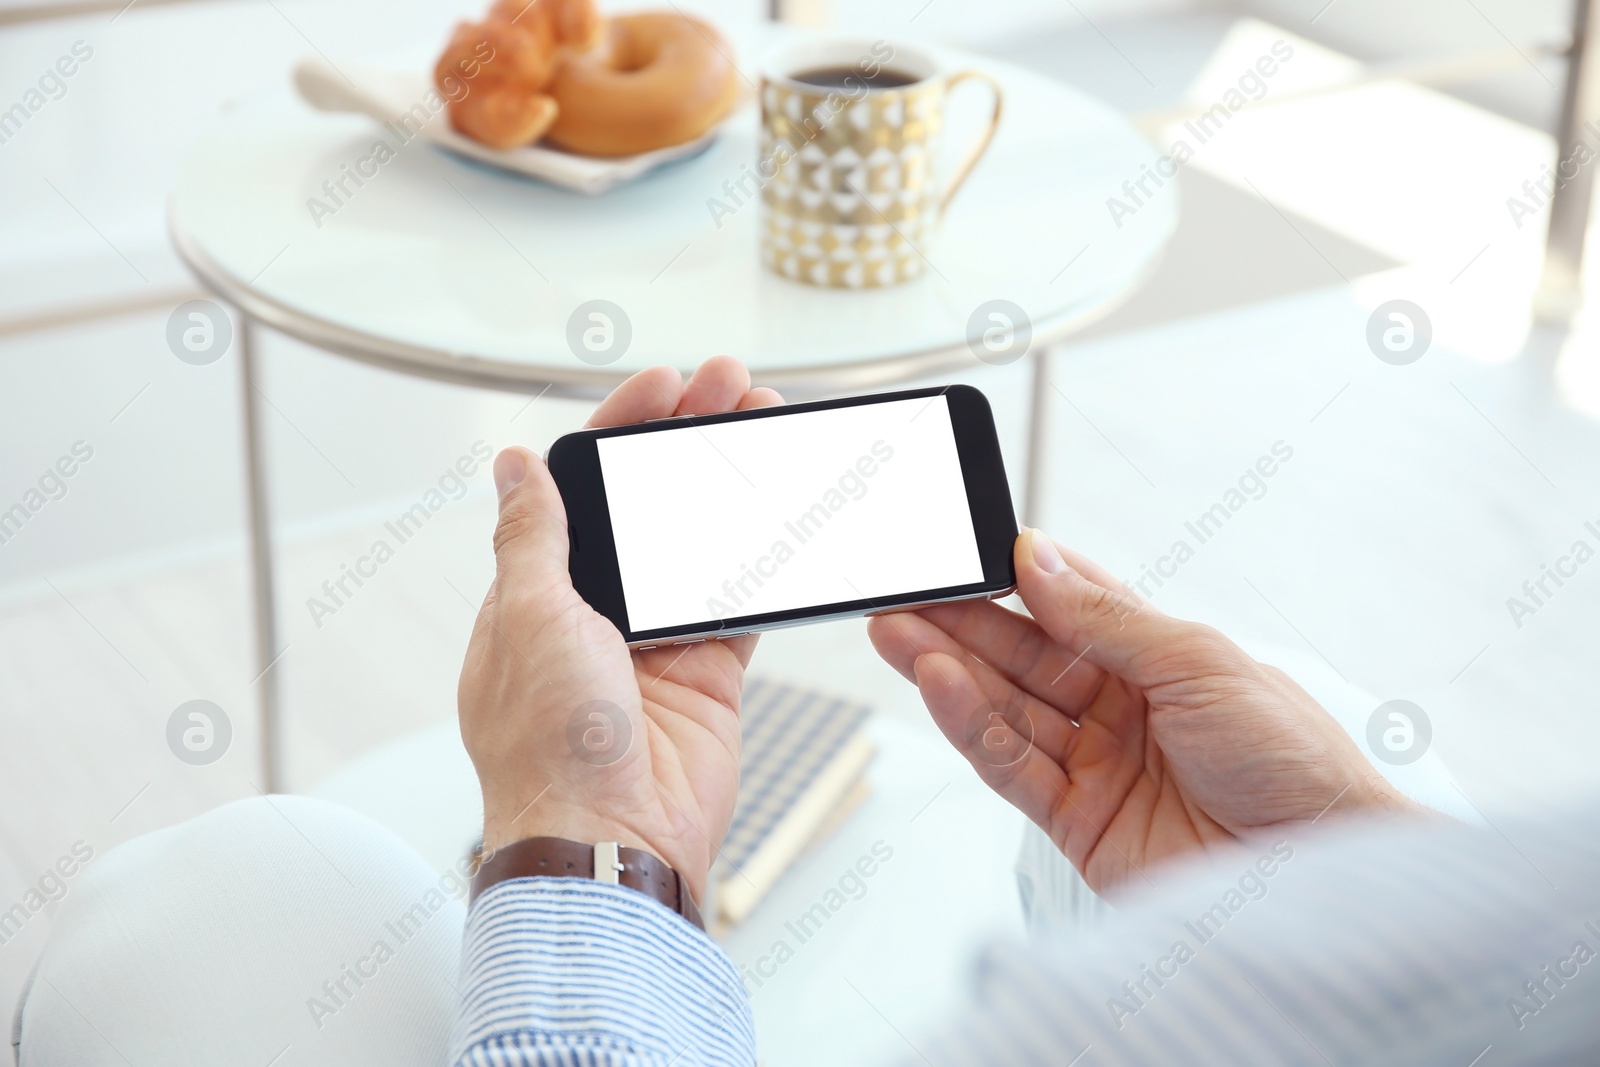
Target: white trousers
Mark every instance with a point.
(278, 930)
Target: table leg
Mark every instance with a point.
(263, 599)
(1560, 292)
(1038, 422)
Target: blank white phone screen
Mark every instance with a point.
(793, 511)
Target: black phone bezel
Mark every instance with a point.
(574, 463)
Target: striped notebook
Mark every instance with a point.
(801, 773)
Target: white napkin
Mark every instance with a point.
(389, 96)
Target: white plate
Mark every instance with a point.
(387, 95)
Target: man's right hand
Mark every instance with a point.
(1132, 738)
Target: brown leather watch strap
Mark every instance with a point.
(557, 857)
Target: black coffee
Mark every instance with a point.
(852, 78)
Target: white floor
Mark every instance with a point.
(1417, 501)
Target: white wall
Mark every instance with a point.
(1394, 29)
(976, 23)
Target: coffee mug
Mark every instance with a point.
(850, 132)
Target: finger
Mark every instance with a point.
(1120, 633)
(1020, 772)
(1091, 570)
(886, 634)
(708, 669)
(718, 385)
(760, 397)
(742, 647)
(1094, 571)
(1016, 647)
(530, 540)
(650, 394)
(909, 638)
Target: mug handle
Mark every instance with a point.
(977, 151)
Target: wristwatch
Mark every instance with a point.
(604, 861)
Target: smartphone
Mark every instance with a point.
(702, 526)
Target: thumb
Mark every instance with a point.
(1113, 628)
(530, 540)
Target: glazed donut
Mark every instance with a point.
(494, 72)
(656, 78)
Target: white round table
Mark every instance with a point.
(447, 269)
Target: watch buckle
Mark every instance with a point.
(607, 862)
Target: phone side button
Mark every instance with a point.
(646, 648)
(692, 641)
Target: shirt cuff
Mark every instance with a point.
(566, 970)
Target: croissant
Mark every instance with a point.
(495, 72)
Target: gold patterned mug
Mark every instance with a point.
(850, 131)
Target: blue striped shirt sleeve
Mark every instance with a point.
(566, 971)
(1414, 944)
